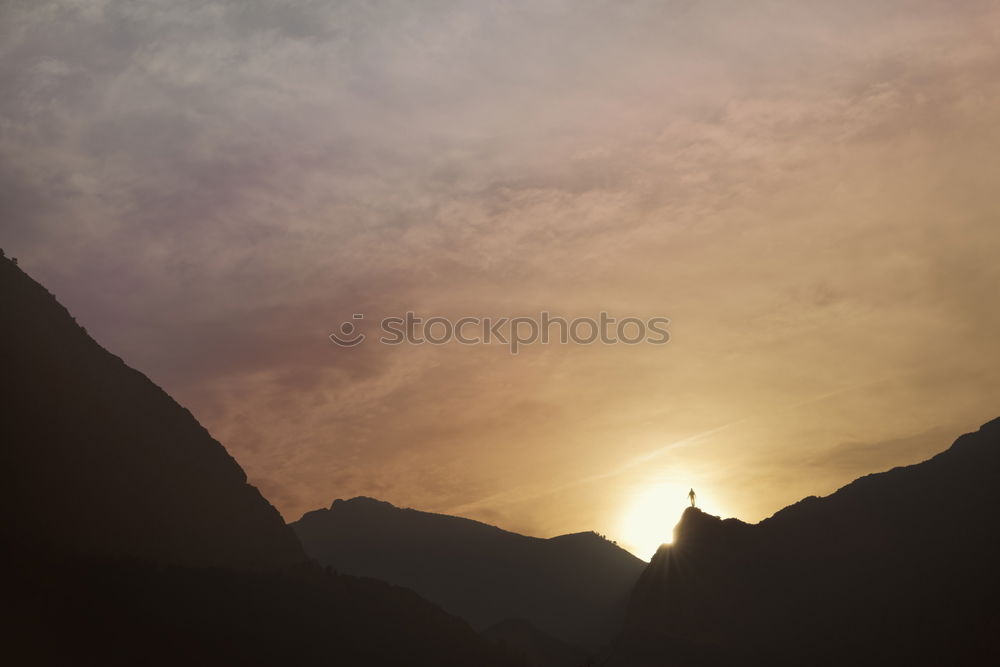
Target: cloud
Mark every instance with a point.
(804, 188)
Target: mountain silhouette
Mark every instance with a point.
(573, 587)
(131, 537)
(104, 462)
(899, 567)
(534, 646)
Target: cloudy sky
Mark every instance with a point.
(808, 190)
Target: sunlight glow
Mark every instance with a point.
(649, 519)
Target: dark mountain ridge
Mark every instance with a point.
(895, 567)
(573, 587)
(534, 646)
(101, 461)
(131, 537)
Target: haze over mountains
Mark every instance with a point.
(573, 587)
(132, 537)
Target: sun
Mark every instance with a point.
(650, 517)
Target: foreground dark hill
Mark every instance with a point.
(101, 461)
(58, 611)
(537, 648)
(573, 587)
(901, 567)
(130, 536)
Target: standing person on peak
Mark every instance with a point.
(691, 496)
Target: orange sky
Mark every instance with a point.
(807, 191)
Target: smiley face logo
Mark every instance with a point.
(348, 336)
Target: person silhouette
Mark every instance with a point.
(691, 495)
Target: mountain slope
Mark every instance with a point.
(537, 648)
(131, 537)
(101, 461)
(895, 567)
(573, 587)
(74, 611)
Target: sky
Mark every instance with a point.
(807, 190)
